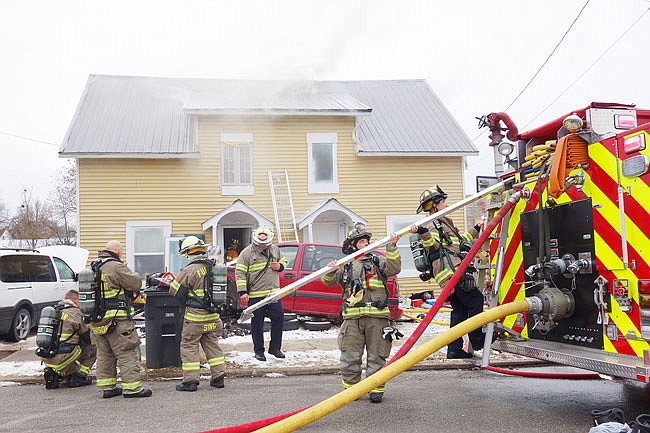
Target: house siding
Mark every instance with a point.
(187, 191)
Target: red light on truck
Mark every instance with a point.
(644, 287)
(634, 144)
(624, 121)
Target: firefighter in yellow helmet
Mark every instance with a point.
(257, 275)
(445, 247)
(202, 324)
(365, 307)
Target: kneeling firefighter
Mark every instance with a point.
(445, 248)
(64, 345)
(365, 309)
(198, 289)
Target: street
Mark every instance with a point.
(436, 401)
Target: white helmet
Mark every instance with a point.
(263, 236)
(192, 244)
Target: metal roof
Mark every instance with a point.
(121, 116)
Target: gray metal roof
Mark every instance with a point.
(155, 117)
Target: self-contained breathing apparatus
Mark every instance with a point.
(92, 302)
(216, 283)
(49, 332)
(424, 259)
(356, 287)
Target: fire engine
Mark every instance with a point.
(577, 236)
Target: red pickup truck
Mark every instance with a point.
(315, 298)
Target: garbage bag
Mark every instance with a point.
(611, 427)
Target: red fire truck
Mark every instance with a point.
(578, 234)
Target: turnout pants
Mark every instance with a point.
(355, 335)
(275, 312)
(79, 361)
(207, 335)
(466, 305)
(118, 348)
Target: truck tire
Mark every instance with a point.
(317, 326)
(290, 316)
(291, 325)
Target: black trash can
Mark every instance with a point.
(163, 327)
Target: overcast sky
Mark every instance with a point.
(476, 55)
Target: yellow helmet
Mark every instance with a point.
(191, 245)
(433, 195)
(263, 236)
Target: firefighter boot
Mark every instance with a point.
(51, 379)
(218, 382)
(110, 393)
(76, 380)
(144, 392)
(191, 386)
(610, 415)
(376, 397)
(642, 424)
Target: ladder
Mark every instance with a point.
(285, 220)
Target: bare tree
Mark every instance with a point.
(4, 216)
(32, 222)
(63, 204)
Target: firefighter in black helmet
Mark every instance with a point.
(365, 309)
(445, 247)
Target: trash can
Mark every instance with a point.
(164, 326)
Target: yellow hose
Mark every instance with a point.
(339, 400)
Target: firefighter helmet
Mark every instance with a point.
(350, 243)
(263, 236)
(191, 245)
(431, 195)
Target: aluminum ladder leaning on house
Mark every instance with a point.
(285, 219)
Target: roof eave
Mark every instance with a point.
(139, 155)
(276, 112)
(417, 154)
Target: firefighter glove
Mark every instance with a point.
(422, 230)
(391, 334)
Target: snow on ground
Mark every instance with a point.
(311, 357)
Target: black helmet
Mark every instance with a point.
(349, 244)
(434, 195)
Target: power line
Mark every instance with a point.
(29, 139)
(549, 56)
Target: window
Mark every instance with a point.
(395, 223)
(236, 164)
(318, 256)
(65, 273)
(321, 163)
(146, 245)
(290, 253)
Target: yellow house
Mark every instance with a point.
(159, 158)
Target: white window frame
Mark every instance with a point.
(321, 187)
(237, 188)
(394, 223)
(131, 226)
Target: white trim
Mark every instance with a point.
(140, 155)
(322, 138)
(393, 224)
(130, 225)
(237, 190)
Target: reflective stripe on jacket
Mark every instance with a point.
(250, 263)
(194, 278)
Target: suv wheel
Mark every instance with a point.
(20, 325)
(317, 326)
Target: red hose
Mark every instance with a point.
(544, 375)
(255, 425)
(417, 333)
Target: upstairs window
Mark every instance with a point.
(237, 164)
(322, 165)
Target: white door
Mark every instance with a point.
(327, 233)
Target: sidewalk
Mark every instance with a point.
(317, 355)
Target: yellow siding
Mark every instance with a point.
(187, 191)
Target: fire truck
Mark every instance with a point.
(577, 236)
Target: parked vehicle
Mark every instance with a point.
(314, 298)
(31, 280)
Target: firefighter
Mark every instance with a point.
(257, 275)
(115, 336)
(445, 246)
(202, 324)
(365, 309)
(75, 354)
(232, 253)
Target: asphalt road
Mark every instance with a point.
(422, 401)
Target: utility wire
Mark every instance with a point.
(570, 85)
(549, 56)
(29, 139)
(588, 69)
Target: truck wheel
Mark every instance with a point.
(20, 325)
(291, 325)
(290, 316)
(317, 326)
